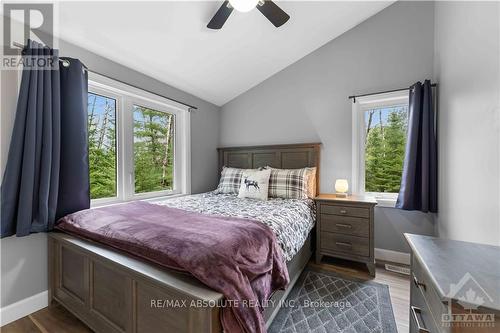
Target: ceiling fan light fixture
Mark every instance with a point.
(243, 5)
(268, 8)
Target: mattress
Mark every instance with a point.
(291, 220)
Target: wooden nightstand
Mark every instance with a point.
(344, 229)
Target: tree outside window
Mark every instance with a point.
(153, 150)
(102, 145)
(385, 142)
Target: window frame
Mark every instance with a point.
(118, 131)
(126, 97)
(359, 107)
(177, 164)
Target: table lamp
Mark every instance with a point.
(341, 187)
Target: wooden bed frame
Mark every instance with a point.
(111, 291)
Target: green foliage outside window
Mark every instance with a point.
(102, 145)
(385, 148)
(153, 150)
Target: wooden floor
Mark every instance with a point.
(56, 319)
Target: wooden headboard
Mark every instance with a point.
(288, 156)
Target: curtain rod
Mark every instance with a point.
(191, 107)
(384, 92)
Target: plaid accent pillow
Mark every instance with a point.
(291, 183)
(230, 181)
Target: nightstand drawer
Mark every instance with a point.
(347, 225)
(347, 244)
(345, 210)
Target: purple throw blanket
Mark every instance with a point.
(239, 258)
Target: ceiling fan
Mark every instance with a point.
(268, 8)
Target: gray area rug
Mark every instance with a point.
(323, 302)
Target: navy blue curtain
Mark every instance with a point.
(48, 150)
(419, 182)
(74, 182)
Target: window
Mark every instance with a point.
(138, 143)
(379, 137)
(102, 145)
(153, 150)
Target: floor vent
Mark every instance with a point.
(397, 269)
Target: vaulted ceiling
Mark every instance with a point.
(170, 42)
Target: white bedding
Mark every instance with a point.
(290, 219)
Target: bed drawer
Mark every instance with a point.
(346, 244)
(345, 211)
(355, 226)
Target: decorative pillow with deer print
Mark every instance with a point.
(254, 184)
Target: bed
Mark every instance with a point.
(113, 291)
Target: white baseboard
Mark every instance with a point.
(392, 256)
(24, 307)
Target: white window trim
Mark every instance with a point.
(359, 107)
(126, 97)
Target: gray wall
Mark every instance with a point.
(24, 260)
(307, 101)
(467, 60)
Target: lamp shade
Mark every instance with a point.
(341, 185)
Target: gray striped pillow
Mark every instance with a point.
(291, 183)
(230, 181)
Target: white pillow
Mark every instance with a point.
(254, 184)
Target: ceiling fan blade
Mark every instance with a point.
(273, 13)
(221, 16)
